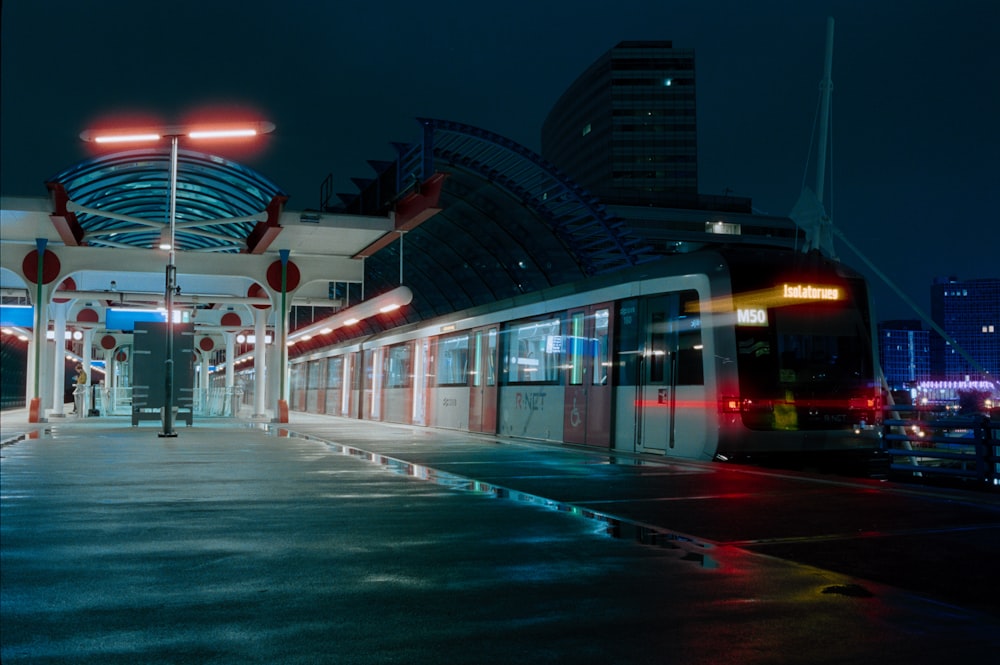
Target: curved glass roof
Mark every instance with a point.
(122, 200)
(510, 223)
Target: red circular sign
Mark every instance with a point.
(108, 342)
(292, 276)
(50, 267)
(231, 321)
(87, 315)
(206, 344)
(121, 356)
(257, 291)
(68, 284)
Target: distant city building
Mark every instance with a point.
(904, 349)
(626, 128)
(969, 312)
(626, 131)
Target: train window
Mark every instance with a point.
(601, 359)
(658, 350)
(491, 347)
(334, 372)
(366, 378)
(397, 367)
(821, 350)
(312, 377)
(533, 350)
(453, 361)
(477, 361)
(577, 350)
(627, 344)
(690, 369)
(663, 337)
(484, 361)
(296, 376)
(811, 354)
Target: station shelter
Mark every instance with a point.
(461, 217)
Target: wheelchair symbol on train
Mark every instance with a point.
(574, 415)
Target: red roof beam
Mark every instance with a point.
(412, 210)
(65, 222)
(265, 233)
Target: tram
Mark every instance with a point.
(723, 353)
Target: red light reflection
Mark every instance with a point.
(735, 404)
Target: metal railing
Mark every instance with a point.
(924, 444)
(218, 402)
(112, 401)
(214, 402)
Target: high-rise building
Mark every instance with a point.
(904, 349)
(969, 312)
(626, 129)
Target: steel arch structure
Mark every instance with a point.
(509, 222)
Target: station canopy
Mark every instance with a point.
(122, 200)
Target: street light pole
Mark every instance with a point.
(170, 289)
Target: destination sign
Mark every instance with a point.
(810, 292)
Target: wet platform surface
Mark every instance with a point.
(330, 540)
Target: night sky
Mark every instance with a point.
(916, 154)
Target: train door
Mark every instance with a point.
(656, 402)
(421, 359)
(297, 388)
(314, 393)
(587, 407)
(372, 378)
(334, 386)
(350, 395)
(483, 381)
(395, 399)
(671, 405)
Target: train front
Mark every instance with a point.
(806, 372)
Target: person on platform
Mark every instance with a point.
(79, 390)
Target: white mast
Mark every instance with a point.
(809, 213)
(824, 119)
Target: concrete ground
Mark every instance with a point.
(337, 541)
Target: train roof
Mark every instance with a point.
(715, 260)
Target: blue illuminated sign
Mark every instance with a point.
(17, 316)
(125, 319)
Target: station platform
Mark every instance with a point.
(327, 540)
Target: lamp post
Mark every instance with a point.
(174, 133)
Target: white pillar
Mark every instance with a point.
(110, 380)
(259, 362)
(87, 355)
(275, 375)
(107, 389)
(203, 383)
(58, 359)
(230, 360)
(280, 366)
(39, 390)
(29, 383)
(230, 374)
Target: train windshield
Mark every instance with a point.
(806, 366)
